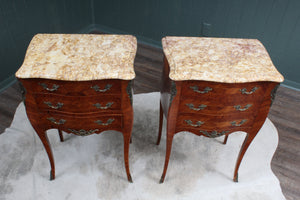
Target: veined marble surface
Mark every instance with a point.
(219, 59)
(79, 57)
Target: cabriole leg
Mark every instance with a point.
(170, 136)
(61, 137)
(249, 138)
(44, 138)
(225, 139)
(160, 124)
(126, 155)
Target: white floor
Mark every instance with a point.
(92, 167)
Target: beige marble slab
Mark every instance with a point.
(79, 57)
(219, 59)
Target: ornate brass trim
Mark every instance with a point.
(54, 87)
(192, 107)
(108, 105)
(108, 122)
(61, 121)
(244, 90)
(196, 89)
(238, 107)
(82, 132)
(97, 88)
(58, 105)
(273, 93)
(214, 133)
(233, 123)
(129, 90)
(23, 90)
(173, 91)
(190, 122)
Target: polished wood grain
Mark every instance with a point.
(93, 103)
(67, 88)
(193, 106)
(70, 108)
(284, 113)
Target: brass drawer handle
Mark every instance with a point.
(61, 121)
(214, 133)
(97, 88)
(238, 107)
(196, 89)
(192, 107)
(82, 132)
(233, 123)
(244, 90)
(108, 105)
(108, 122)
(54, 87)
(58, 105)
(198, 123)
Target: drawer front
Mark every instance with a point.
(210, 122)
(83, 124)
(226, 106)
(78, 104)
(73, 88)
(211, 90)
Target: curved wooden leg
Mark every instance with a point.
(44, 138)
(225, 139)
(249, 138)
(161, 116)
(126, 155)
(170, 136)
(127, 125)
(61, 137)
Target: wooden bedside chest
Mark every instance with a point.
(215, 86)
(79, 84)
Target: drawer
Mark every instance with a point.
(78, 104)
(88, 123)
(211, 90)
(73, 88)
(225, 106)
(210, 122)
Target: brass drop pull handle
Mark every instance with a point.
(196, 89)
(58, 105)
(108, 122)
(214, 133)
(239, 107)
(233, 123)
(54, 87)
(82, 132)
(192, 107)
(244, 90)
(190, 122)
(97, 88)
(108, 105)
(61, 121)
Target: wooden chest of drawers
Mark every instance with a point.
(212, 106)
(81, 106)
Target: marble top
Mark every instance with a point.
(79, 57)
(219, 60)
